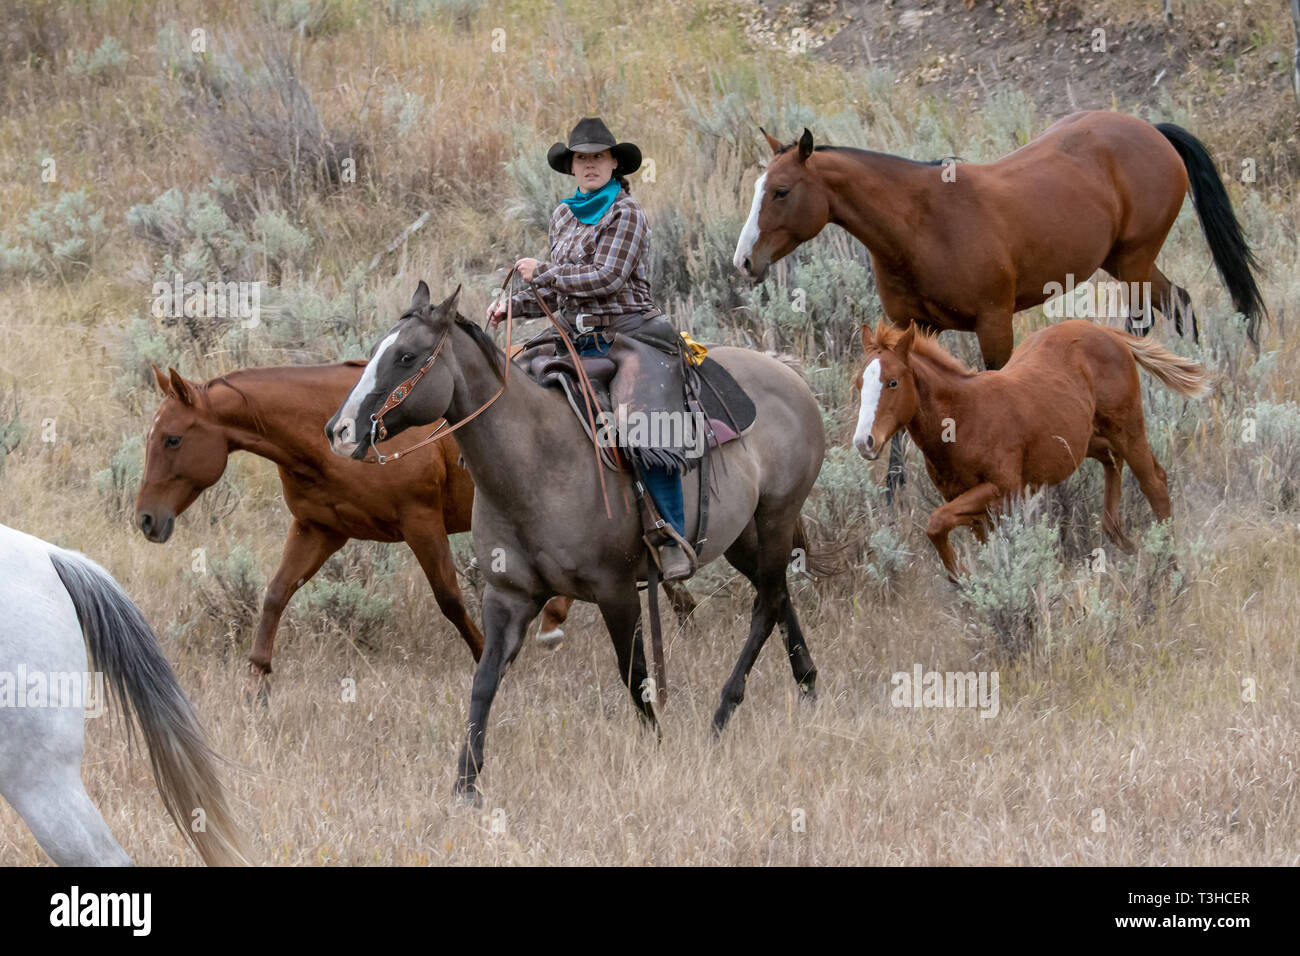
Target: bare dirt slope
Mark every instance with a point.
(1229, 59)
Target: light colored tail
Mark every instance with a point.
(1183, 376)
(123, 646)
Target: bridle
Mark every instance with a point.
(399, 394)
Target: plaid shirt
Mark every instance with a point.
(599, 268)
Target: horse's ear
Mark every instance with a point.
(805, 145)
(904, 344)
(420, 301)
(771, 140)
(868, 339)
(448, 305)
(164, 383)
(179, 387)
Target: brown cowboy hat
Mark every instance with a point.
(591, 135)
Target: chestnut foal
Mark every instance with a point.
(1069, 392)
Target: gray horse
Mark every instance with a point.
(539, 522)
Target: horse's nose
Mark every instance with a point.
(866, 447)
(748, 270)
(343, 431)
(146, 522)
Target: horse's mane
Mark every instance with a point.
(485, 344)
(925, 344)
(204, 388)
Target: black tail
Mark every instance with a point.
(1232, 256)
(122, 645)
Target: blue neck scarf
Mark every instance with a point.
(590, 207)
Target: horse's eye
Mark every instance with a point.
(407, 358)
(780, 193)
(893, 383)
(172, 441)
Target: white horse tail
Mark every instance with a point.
(123, 646)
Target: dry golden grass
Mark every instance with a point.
(1148, 725)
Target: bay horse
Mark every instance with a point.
(538, 523)
(1069, 392)
(66, 617)
(966, 246)
(277, 413)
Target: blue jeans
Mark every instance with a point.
(664, 485)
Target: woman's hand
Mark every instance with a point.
(496, 311)
(526, 268)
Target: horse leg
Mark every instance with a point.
(765, 566)
(1137, 267)
(1110, 523)
(971, 507)
(894, 476)
(428, 539)
(506, 616)
(307, 548)
(555, 613)
(744, 559)
(622, 616)
(996, 337)
(1173, 300)
(682, 600)
(49, 795)
(1151, 478)
(796, 648)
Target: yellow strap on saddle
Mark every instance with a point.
(695, 352)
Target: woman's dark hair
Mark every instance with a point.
(622, 181)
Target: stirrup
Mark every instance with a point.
(672, 537)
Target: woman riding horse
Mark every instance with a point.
(597, 279)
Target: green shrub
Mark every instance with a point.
(118, 483)
(12, 429)
(229, 594)
(59, 239)
(206, 236)
(102, 64)
(1015, 579)
(1272, 460)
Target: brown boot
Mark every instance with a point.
(676, 561)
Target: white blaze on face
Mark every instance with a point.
(871, 387)
(346, 435)
(749, 235)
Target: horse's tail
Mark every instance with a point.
(123, 646)
(1182, 375)
(819, 559)
(1232, 255)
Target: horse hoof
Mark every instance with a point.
(466, 794)
(808, 690)
(258, 691)
(551, 640)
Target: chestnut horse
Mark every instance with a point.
(1070, 391)
(966, 246)
(279, 414)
